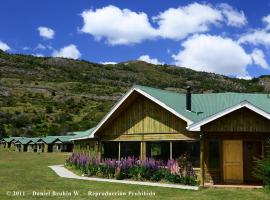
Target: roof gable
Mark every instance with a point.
(155, 98)
(244, 104)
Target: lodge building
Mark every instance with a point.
(221, 132)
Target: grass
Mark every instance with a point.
(28, 172)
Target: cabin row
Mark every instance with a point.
(221, 132)
(42, 144)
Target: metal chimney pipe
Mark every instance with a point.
(188, 98)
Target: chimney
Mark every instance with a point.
(188, 98)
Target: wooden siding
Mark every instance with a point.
(86, 147)
(144, 120)
(151, 137)
(242, 120)
(215, 175)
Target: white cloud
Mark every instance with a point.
(266, 20)
(46, 32)
(259, 58)
(213, 54)
(245, 77)
(233, 17)
(146, 58)
(108, 63)
(177, 23)
(256, 37)
(69, 51)
(41, 47)
(123, 26)
(4, 46)
(26, 48)
(117, 26)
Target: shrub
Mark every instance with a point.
(158, 175)
(262, 169)
(176, 171)
(93, 166)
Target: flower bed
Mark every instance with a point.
(175, 171)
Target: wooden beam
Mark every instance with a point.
(202, 160)
(143, 150)
(119, 150)
(99, 150)
(171, 153)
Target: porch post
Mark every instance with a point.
(170, 149)
(143, 150)
(202, 159)
(119, 150)
(99, 150)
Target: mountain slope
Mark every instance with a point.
(47, 96)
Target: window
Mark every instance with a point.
(131, 149)
(213, 154)
(110, 150)
(190, 148)
(158, 150)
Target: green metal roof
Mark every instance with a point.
(65, 138)
(34, 140)
(10, 139)
(6, 139)
(80, 134)
(206, 104)
(49, 139)
(23, 140)
(52, 139)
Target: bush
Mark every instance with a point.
(177, 171)
(262, 169)
(158, 175)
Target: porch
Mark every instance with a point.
(160, 150)
(229, 158)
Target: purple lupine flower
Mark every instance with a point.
(173, 167)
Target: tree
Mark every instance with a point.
(262, 169)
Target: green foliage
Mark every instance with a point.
(57, 95)
(262, 170)
(49, 109)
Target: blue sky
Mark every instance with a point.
(225, 37)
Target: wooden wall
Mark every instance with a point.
(216, 175)
(242, 124)
(86, 147)
(144, 120)
(242, 120)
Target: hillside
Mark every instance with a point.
(48, 96)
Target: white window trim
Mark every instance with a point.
(246, 104)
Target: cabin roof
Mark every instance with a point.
(23, 140)
(48, 139)
(10, 139)
(205, 107)
(82, 134)
(207, 104)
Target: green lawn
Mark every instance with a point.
(29, 172)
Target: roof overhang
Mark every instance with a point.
(243, 104)
(122, 100)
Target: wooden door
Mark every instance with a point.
(233, 161)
